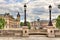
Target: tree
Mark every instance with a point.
(28, 24)
(22, 24)
(2, 23)
(58, 22)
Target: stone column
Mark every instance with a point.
(25, 31)
(50, 32)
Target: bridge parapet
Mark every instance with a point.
(57, 33)
(10, 32)
(38, 31)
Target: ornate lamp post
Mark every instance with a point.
(59, 6)
(25, 24)
(50, 22)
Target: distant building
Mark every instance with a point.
(42, 23)
(35, 24)
(10, 21)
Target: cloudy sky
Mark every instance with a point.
(36, 9)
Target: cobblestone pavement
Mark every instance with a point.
(29, 38)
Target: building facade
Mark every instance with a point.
(42, 24)
(10, 21)
(35, 24)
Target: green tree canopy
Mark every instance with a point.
(58, 22)
(22, 24)
(2, 23)
(28, 24)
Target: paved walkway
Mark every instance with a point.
(28, 38)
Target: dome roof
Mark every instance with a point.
(18, 14)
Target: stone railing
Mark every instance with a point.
(19, 33)
(10, 32)
(39, 31)
(57, 33)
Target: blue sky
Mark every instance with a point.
(36, 9)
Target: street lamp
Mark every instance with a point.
(50, 22)
(59, 6)
(25, 24)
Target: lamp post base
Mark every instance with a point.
(25, 31)
(50, 24)
(50, 31)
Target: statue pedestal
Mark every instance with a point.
(50, 30)
(25, 31)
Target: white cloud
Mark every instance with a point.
(14, 6)
(2, 0)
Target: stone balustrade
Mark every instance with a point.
(10, 32)
(57, 33)
(20, 33)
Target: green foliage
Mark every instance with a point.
(2, 23)
(21, 24)
(28, 24)
(58, 22)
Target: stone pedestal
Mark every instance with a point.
(25, 31)
(50, 30)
